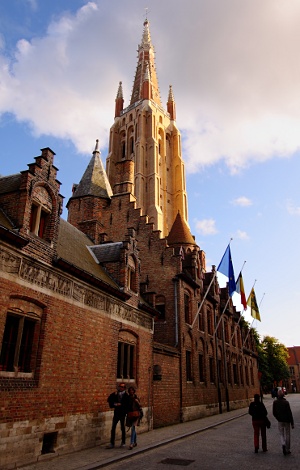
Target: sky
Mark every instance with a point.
(235, 70)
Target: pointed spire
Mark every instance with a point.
(94, 181)
(180, 233)
(171, 107)
(119, 101)
(145, 70)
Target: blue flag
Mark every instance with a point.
(226, 267)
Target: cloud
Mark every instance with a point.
(206, 227)
(235, 75)
(292, 209)
(242, 235)
(242, 201)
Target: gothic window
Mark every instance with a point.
(210, 328)
(211, 370)
(41, 210)
(235, 374)
(188, 366)
(127, 356)
(226, 331)
(20, 341)
(160, 305)
(200, 320)
(201, 367)
(187, 313)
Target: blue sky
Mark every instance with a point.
(235, 73)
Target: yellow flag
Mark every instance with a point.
(253, 305)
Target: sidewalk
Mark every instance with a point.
(99, 457)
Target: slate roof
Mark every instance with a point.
(10, 183)
(108, 252)
(72, 247)
(94, 181)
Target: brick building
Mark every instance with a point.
(294, 365)
(120, 291)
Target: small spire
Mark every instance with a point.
(97, 147)
(171, 107)
(171, 95)
(120, 91)
(146, 39)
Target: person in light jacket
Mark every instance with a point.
(283, 413)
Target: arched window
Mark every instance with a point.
(127, 356)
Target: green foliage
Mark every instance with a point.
(273, 363)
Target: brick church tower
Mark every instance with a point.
(145, 146)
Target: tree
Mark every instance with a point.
(273, 363)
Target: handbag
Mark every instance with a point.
(133, 415)
(267, 422)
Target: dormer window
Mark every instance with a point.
(38, 220)
(41, 210)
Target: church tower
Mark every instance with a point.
(145, 146)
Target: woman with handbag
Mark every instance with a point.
(259, 413)
(133, 415)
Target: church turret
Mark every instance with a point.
(90, 197)
(145, 147)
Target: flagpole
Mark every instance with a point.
(226, 307)
(235, 328)
(207, 291)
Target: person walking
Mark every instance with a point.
(259, 413)
(118, 401)
(283, 413)
(133, 415)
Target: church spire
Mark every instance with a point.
(171, 108)
(94, 182)
(145, 70)
(119, 101)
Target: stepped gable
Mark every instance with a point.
(73, 247)
(180, 233)
(94, 181)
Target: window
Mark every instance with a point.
(41, 210)
(20, 343)
(131, 274)
(211, 370)
(126, 361)
(201, 367)
(187, 308)
(200, 320)
(160, 305)
(235, 375)
(188, 366)
(38, 220)
(210, 329)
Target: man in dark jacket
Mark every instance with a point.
(259, 413)
(283, 414)
(119, 402)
